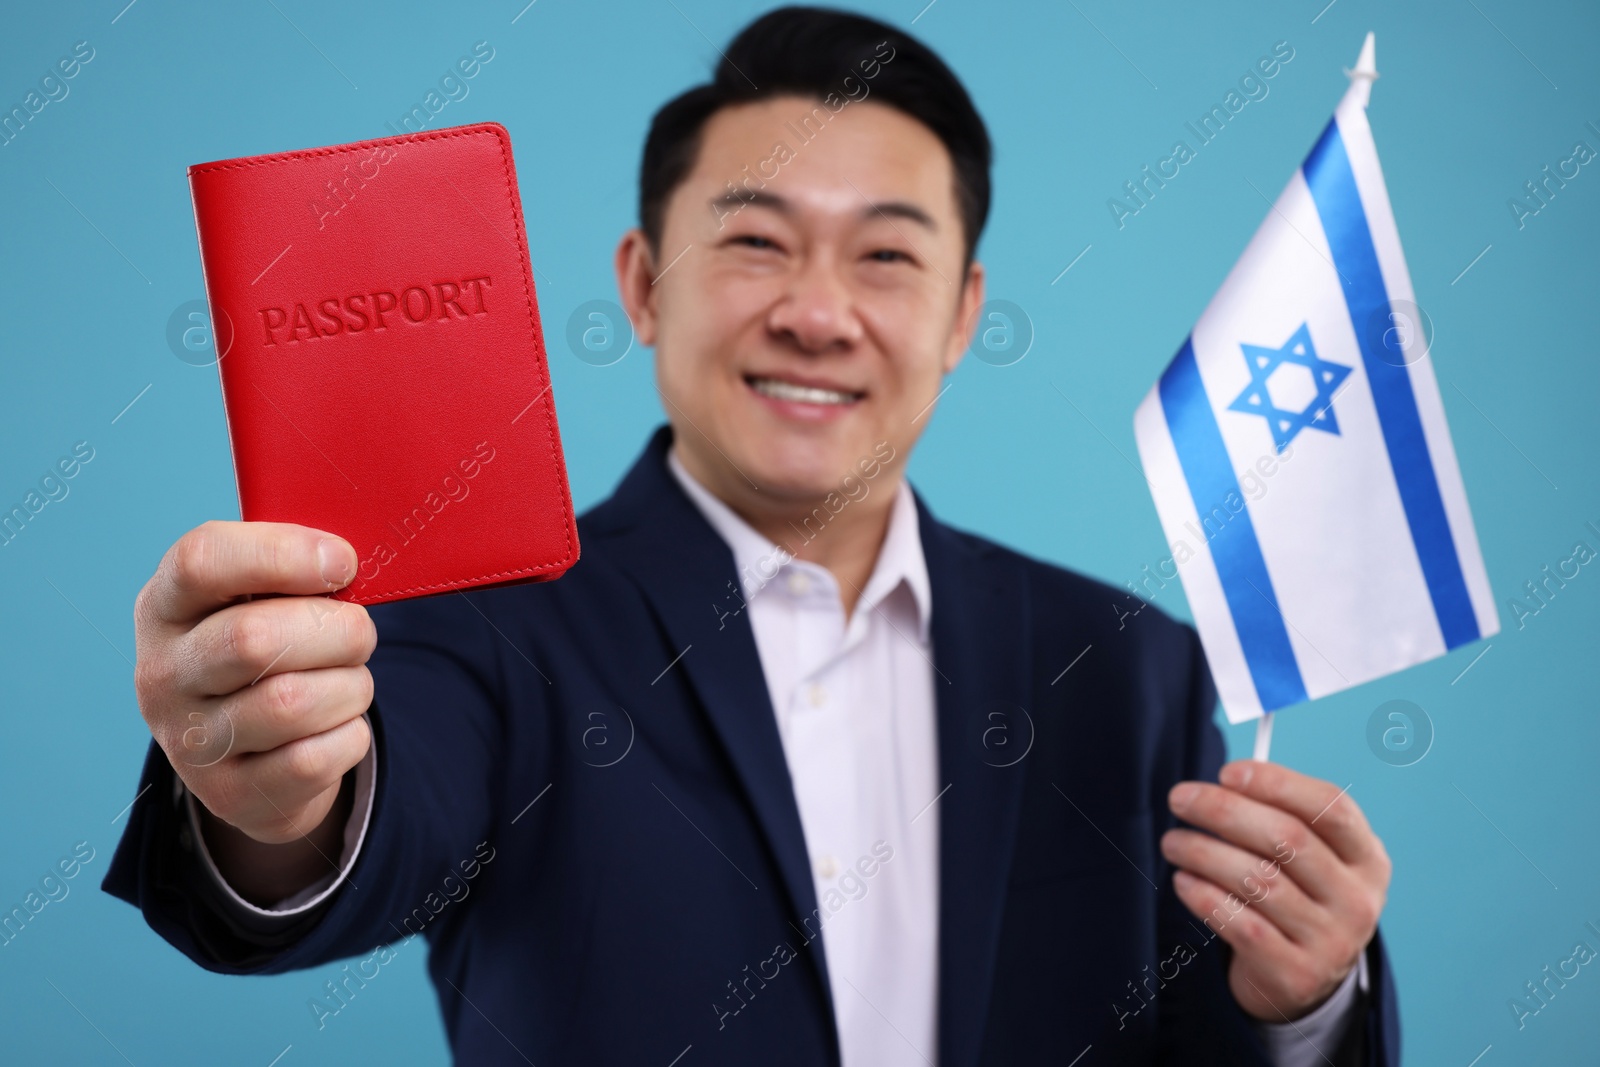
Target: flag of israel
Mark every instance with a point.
(1298, 452)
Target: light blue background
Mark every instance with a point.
(1463, 116)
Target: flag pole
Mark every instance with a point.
(1263, 737)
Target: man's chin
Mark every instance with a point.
(802, 470)
(798, 487)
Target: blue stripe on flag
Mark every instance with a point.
(1234, 548)
(1333, 189)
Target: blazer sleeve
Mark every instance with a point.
(437, 721)
(1207, 1026)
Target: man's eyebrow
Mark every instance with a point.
(734, 201)
(891, 209)
(902, 209)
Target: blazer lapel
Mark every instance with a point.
(981, 650)
(687, 572)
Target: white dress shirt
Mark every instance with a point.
(855, 709)
(855, 706)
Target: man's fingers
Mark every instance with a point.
(1267, 831)
(1229, 916)
(1321, 805)
(1256, 879)
(270, 790)
(247, 643)
(218, 562)
(295, 773)
(277, 710)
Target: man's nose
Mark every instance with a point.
(818, 308)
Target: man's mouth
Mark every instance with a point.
(794, 392)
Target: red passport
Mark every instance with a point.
(383, 368)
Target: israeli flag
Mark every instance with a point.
(1298, 452)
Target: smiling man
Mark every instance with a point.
(784, 770)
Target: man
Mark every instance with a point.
(784, 770)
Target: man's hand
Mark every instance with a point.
(257, 703)
(1294, 881)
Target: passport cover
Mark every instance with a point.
(383, 368)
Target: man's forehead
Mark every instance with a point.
(869, 161)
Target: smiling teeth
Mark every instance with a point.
(803, 394)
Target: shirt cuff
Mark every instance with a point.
(299, 904)
(1313, 1039)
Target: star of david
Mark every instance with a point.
(1257, 399)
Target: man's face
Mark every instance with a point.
(800, 323)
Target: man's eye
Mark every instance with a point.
(888, 255)
(754, 241)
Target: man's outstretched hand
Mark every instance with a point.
(254, 682)
(1294, 880)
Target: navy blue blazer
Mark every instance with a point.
(582, 804)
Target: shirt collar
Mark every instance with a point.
(759, 560)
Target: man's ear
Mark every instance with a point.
(635, 268)
(966, 320)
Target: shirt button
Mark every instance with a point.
(827, 867)
(799, 584)
(817, 695)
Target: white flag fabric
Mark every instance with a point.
(1298, 453)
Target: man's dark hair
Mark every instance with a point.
(812, 51)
